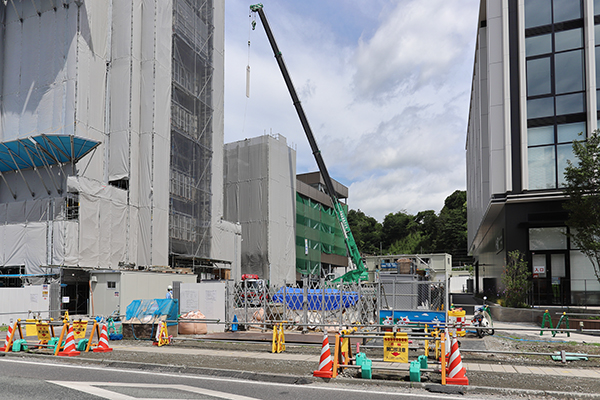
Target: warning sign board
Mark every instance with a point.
(395, 347)
(30, 329)
(79, 328)
(43, 332)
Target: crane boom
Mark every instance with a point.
(360, 273)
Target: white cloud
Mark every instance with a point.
(418, 43)
(388, 106)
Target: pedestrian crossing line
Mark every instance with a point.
(100, 389)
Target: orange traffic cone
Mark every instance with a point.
(325, 363)
(456, 371)
(103, 343)
(8, 335)
(70, 345)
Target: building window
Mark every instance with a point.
(555, 73)
(111, 285)
(72, 206)
(120, 183)
(548, 238)
(548, 149)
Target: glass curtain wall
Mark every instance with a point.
(556, 109)
(191, 131)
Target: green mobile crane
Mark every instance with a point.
(360, 273)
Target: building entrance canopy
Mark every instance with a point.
(43, 151)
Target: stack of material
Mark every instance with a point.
(192, 326)
(404, 266)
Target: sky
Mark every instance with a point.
(385, 85)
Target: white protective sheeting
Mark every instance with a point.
(57, 70)
(24, 244)
(102, 223)
(260, 194)
(39, 51)
(65, 243)
(227, 245)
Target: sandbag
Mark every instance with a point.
(192, 327)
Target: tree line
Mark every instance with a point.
(423, 233)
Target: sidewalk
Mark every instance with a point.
(502, 329)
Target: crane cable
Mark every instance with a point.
(253, 25)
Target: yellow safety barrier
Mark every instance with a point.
(278, 344)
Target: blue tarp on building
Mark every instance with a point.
(330, 299)
(150, 311)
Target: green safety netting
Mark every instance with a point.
(317, 231)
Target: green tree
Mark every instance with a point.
(582, 185)
(395, 228)
(452, 225)
(366, 231)
(516, 280)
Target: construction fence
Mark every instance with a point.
(326, 305)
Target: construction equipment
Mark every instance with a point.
(360, 272)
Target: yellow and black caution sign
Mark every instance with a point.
(395, 347)
(163, 335)
(43, 332)
(79, 328)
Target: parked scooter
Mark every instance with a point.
(483, 319)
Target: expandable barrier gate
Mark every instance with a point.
(47, 339)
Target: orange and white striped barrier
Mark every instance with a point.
(8, 340)
(325, 363)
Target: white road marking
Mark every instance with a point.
(322, 386)
(92, 388)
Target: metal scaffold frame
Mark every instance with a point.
(191, 131)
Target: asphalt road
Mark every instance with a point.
(43, 380)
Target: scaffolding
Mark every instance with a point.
(191, 132)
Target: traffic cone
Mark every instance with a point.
(8, 335)
(325, 363)
(70, 345)
(103, 343)
(456, 371)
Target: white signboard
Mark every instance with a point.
(541, 269)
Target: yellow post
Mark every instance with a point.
(426, 343)
(336, 357)
(20, 329)
(62, 335)
(437, 343)
(94, 328)
(274, 342)
(280, 340)
(443, 358)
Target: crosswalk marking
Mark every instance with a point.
(99, 389)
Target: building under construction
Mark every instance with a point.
(111, 132)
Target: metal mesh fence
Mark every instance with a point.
(396, 294)
(325, 305)
(313, 305)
